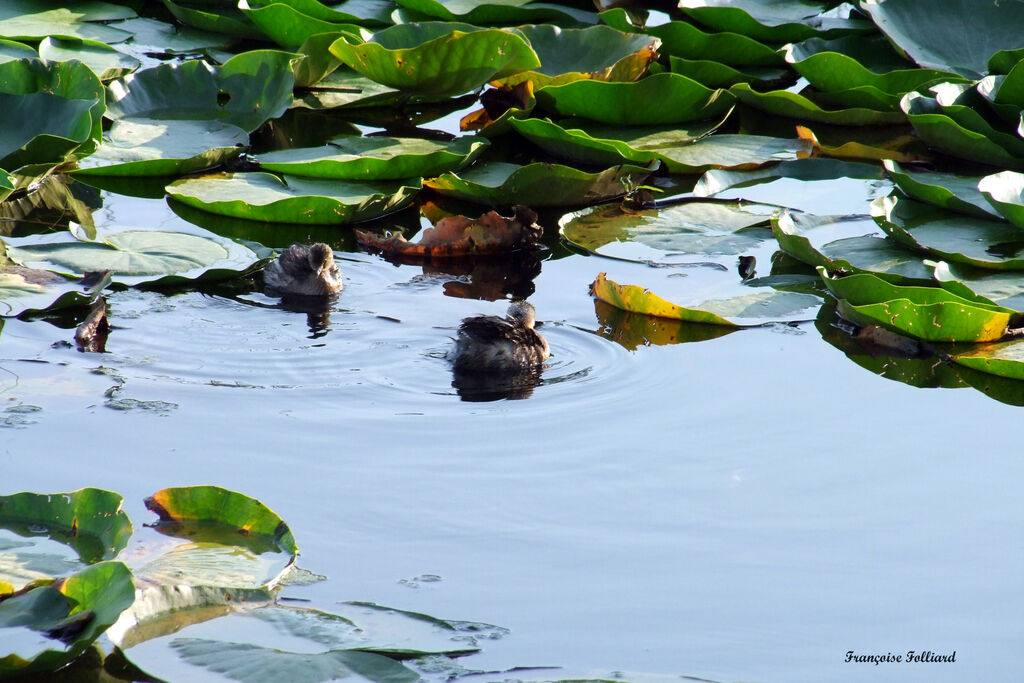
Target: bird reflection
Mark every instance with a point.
(475, 386)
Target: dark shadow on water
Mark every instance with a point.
(633, 330)
(316, 308)
(488, 278)
(495, 386)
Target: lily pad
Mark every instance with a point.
(376, 158)
(925, 32)
(664, 98)
(345, 88)
(11, 50)
(90, 521)
(858, 61)
(138, 257)
(248, 90)
(717, 75)
(31, 20)
(499, 183)
(597, 53)
(51, 624)
(1005, 288)
(941, 131)
(796, 106)
(682, 39)
(438, 58)
(1005, 191)
(995, 245)
(1005, 359)
(947, 190)
(929, 313)
(779, 21)
(495, 12)
(152, 36)
(717, 232)
(223, 19)
(756, 308)
(847, 243)
(107, 62)
(266, 197)
(26, 291)
(289, 27)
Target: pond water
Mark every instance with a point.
(750, 506)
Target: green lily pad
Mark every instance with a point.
(152, 147)
(345, 88)
(220, 19)
(717, 75)
(664, 98)
(499, 183)
(266, 197)
(947, 190)
(929, 313)
(1005, 288)
(6, 184)
(25, 290)
(847, 243)
(1005, 191)
(995, 245)
(32, 20)
(939, 130)
(149, 35)
(815, 169)
(755, 307)
(289, 27)
(682, 39)
(1005, 359)
(70, 81)
(496, 12)
(925, 32)
(963, 103)
(53, 623)
(597, 52)
(41, 128)
(11, 50)
(778, 21)
(796, 106)
(138, 257)
(248, 90)
(716, 231)
(858, 61)
(90, 521)
(375, 158)
(106, 61)
(438, 58)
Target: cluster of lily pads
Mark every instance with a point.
(71, 570)
(578, 107)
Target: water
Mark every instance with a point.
(749, 507)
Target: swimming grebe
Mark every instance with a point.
(487, 343)
(303, 271)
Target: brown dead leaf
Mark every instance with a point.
(496, 102)
(458, 236)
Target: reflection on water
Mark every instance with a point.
(487, 278)
(633, 330)
(494, 386)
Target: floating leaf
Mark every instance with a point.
(633, 330)
(749, 309)
(1005, 288)
(597, 52)
(375, 158)
(925, 33)
(1005, 191)
(779, 21)
(500, 107)
(1005, 359)
(459, 236)
(664, 98)
(846, 243)
(716, 231)
(106, 61)
(88, 520)
(930, 313)
(11, 50)
(29, 20)
(136, 257)
(52, 624)
(717, 181)
(717, 75)
(976, 241)
(437, 58)
(344, 88)
(218, 19)
(149, 35)
(493, 12)
(289, 27)
(248, 90)
(947, 190)
(796, 106)
(502, 184)
(266, 197)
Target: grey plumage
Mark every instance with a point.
(305, 271)
(489, 343)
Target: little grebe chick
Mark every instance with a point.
(488, 343)
(303, 271)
